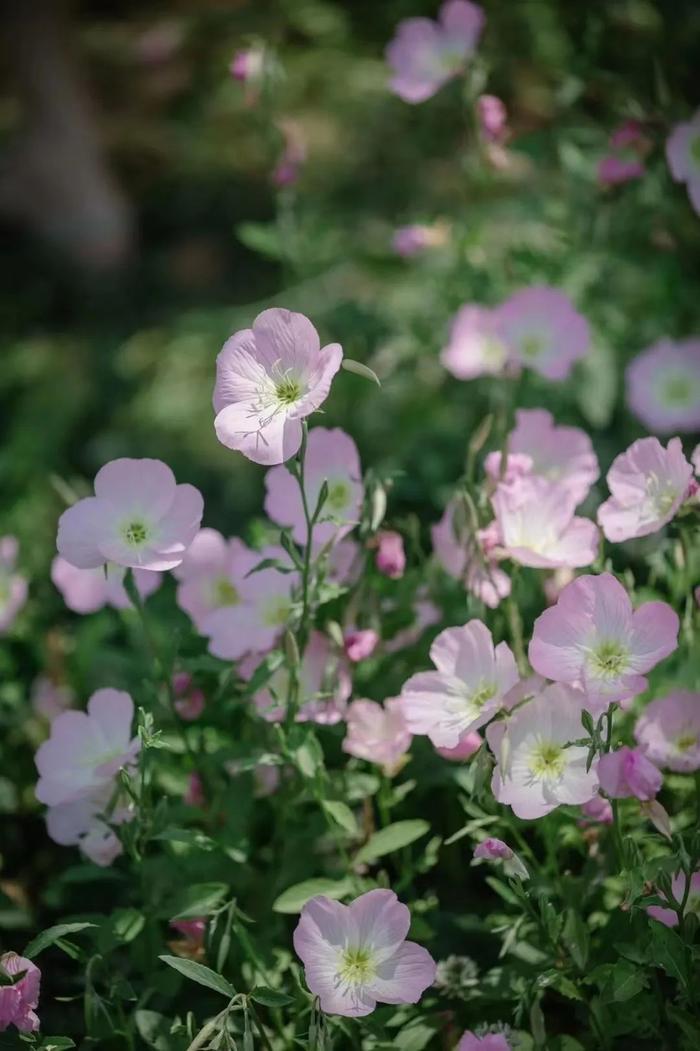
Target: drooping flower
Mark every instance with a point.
(467, 688)
(648, 484)
(213, 574)
(563, 455)
(49, 698)
(139, 518)
(544, 331)
(425, 54)
(268, 379)
(18, 1002)
(594, 638)
(669, 917)
(467, 559)
(475, 346)
(13, 586)
(356, 955)
(493, 118)
(83, 823)
(668, 730)
(324, 684)
(538, 527)
(189, 699)
(663, 386)
(391, 557)
(87, 590)
(253, 624)
(331, 457)
(537, 769)
(466, 747)
(683, 156)
(488, 1042)
(597, 810)
(360, 644)
(377, 733)
(624, 161)
(496, 850)
(86, 749)
(627, 772)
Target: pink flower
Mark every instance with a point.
(537, 769)
(331, 457)
(493, 118)
(377, 733)
(268, 379)
(194, 793)
(49, 698)
(356, 955)
(558, 454)
(648, 484)
(663, 386)
(544, 331)
(488, 1042)
(669, 917)
(683, 156)
(597, 810)
(189, 700)
(624, 162)
(13, 586)
(83, 823)
(18, 1002)
(192, 930)
(465, 691)
(425, 54)
(86, 749)
(668, 731)
(627, 772)
(413, 239)
(592, 637)
(213, 575)
(492, 849)
(465, 559)
(390, 558)
(359, 645)
(138, 517)
(254, 623)
(538, 527)
(344, 563)
(466, 747)
(247, 64)
(475, 346)
(324, 685)
(87, 590)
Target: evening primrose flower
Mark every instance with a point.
(475, 346)
(425, 54)
(268, 379)
(624, 162)
(648, 485)
(213, 574)
(81, 823)
(469, 560)
(538, 528)
(683, 156)
(537, 767)
(18, 1002)
(592, 637)
(492, 849)
(87, 590)
(13, 586)
(627, 772)
(139, 518)
(668, 731)
(488, 1042)
(543, 331)
(467, 688)
(356, 955)
(376, 732)
(663, 386)
(331, 457)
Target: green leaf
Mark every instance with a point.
(56, 1043)
(596, 390)
(197, 972)
(127, 924)
(51, 936)
(360, 370)
(263, 238)
(341, 814)
(198, 900)
(270, 997)
(668, 951)
(192, 837)
(626, 980)
(294, 898)
(156, 1031)
(391, 838)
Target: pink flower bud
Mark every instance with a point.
(598, 810)
(193, 930)
(493, 117)
(194, 793)
(391, 558)
(628, 772)
(361, 644)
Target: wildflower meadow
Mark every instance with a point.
(350, 533)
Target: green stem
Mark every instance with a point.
(516, 627)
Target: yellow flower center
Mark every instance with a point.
(337, 496)
(277, 613)
(357, 966)
(225, 594)
(547, 760)
(288, 390)
(686, 741)
(609, 660)
(135, 533)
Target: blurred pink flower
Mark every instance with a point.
(425, 54)
(544, 331)
(213, 574)
(79, 823)
(467, 746)
(414, 238)
(466, 560)
(683, 156)
(13, 586)
(493, 118)
(194, 793)
(247, 64)
(668, 731)
(669, 917)
(331, 457)
(324, 684)
(467, 688)
(87, 590)
(627, 772)
(624, 162)
(192, 930)
(537, 769)
(597, 810)
(663, 386)
(488, 1042)
(290, 163)
(360, 644)
(475, 346)
(496, 850)
(594, 638)
(356, 955)
(648, 485)
(138, 517)
(563, 455)
(86, 749)
(268, 379)
(49, 698)
(377, 733)
(18, 1002)
(189, 700)
(538, 527)
(390, 558)
(344, 562)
